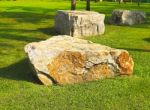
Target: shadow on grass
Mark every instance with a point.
(32, 15)
(19, 37)
(5, 24)
(147, 39)
(138, 50)
(31, 9)
(26, 17)
(28, 14)
(48, 31)
(6, 34)
(3, 44)
(19, 71)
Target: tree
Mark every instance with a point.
(88, 5)
(73, 4)
(139, 2)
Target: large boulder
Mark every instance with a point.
(68, 60)
(79, 23)
(127, 17)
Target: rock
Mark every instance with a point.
(79, 23)
(127, 17)
(68, 60)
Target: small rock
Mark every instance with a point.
(127, 17)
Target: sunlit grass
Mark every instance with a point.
(23, 22)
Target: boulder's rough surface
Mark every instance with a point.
(127, 17)
(79, 23)
(68, 60)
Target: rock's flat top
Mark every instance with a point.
(134, 11)
(71, 60)
(77, 13)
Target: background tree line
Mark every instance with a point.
(73, 2)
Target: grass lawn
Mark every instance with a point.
(24, 22)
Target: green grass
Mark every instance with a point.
(24, 22)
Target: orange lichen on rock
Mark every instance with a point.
(99, 71)
(67, 67)
(126, 63)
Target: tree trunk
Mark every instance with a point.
(88, 5)
(124, 1)
(73, 4)
(138, 2)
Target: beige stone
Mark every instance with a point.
(127, 17)
(79, 23)
(69, 60)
